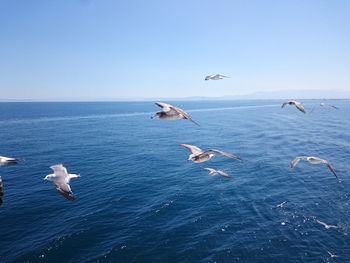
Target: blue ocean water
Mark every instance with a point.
(140, 200)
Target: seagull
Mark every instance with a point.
(214, 172)
(297, 104)
(281, 204)
(327, 226)
(6, 160)
(327, 104)
(332, 255)
(215, 77)
(61, 179)
(313, 160)
(199, 156)
(169, 112)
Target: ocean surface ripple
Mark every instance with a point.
(140, 200)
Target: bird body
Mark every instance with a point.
(61, 179)
(199, 156)
(215, 77)
(296, 104)
(312, 160)
(170, 112)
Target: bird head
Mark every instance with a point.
(156, 115)
(48, 177)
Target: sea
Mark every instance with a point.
(140, 200)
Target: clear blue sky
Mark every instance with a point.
(125, 49)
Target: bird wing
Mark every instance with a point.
(194, 149)
(321, 223)
(8, 159)
(223, 174)
(285, 104)
(211, 170)
(165, 106)
(222, 76)
(183, 113)
(333, 106)
(300, 107)
(295, 161)
(59, 170)
(331, 168)
(64, 189)
(224, 153)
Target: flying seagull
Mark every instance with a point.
(281, 204)
(60, 179)
(214, 172)
(9, 161)
(327, 104)
(296, 104)
(199, 156)
(325, 225)
(215, 77)
(169, 112)
(332, 255)
(313, 160)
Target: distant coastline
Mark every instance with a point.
(269, 95)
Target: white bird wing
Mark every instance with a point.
(224, 153)
(183, 113)
(299, 106)
(211, 170)
(165, 106)
(321, 223)
(194, 149)
(330, 168)
(222, 76)
(223, 174)
(295, 161)
(8, 159)
(59, 170)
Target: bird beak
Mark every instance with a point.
(154, 116)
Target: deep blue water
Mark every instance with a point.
(140, 200)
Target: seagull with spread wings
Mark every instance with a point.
(214, 172)
(169, 112)
(199, 156)
(6, 160)
(215, 77)
(326, 225)
(296, 104)
(327, 104)
(313, 160)
(61, 179)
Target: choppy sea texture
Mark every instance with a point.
(140, 200)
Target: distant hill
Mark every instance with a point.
(286, 94)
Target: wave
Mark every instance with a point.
(121, 115)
